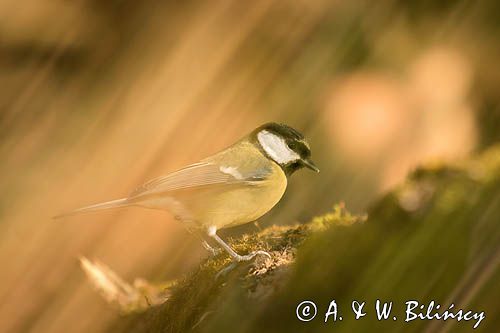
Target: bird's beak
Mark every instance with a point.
(310, 164)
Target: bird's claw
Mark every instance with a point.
(239, 259)
(252, 255)
(226, 270)
(211, 250)
(214, 252)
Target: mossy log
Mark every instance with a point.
(436, 237)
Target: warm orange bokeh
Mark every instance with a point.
(98, 97)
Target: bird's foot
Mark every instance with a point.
(214, 252)
(239, 259)
(211, 250)
(223, 272)
(250, 256)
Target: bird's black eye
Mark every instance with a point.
(292, 145)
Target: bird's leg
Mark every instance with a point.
(213, 251)
(212, 232)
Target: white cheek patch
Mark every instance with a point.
(276, 147)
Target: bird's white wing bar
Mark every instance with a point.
(232, 171)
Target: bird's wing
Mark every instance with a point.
(196, 175)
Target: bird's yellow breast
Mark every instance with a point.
(228, 204)
(242, 204)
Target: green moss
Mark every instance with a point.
(434, 238)
(338, 216)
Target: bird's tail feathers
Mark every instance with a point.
(97, 207)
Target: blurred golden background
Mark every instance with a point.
(99, 96)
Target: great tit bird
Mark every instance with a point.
(233, 187)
